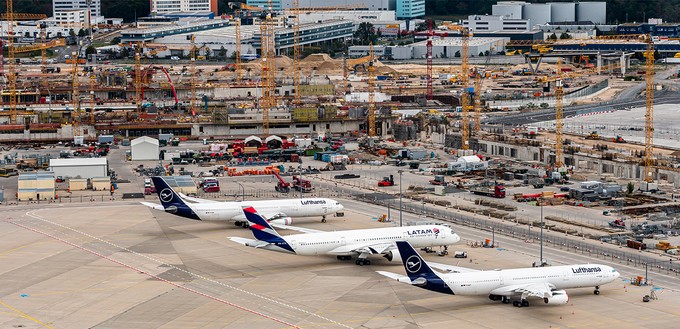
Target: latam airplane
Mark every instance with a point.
(279, 212)
(547, 283)
(345, 244)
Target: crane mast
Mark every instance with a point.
(465, 98)
(478, 99)
(11, 65)
(75, 95)
(138, 76)
(649, 113)
(268, 66)
(297, 52)
(371, 95)
(559, 94)
(238, 68)
(192, 74)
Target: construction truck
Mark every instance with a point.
(387, 181)
(303, 185)
(593, 135)
(496, 190)
(439, 180)
(282, 186)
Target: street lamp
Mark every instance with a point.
(541, 236)
(243, 191)
(400, 206)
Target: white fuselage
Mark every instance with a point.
(343, 243)
(562, 277)
(288, 207)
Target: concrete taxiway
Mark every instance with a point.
(121, 265)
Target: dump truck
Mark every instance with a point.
(496, 190)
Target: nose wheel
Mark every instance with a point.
(597, 290)
(323, 219)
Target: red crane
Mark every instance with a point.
(429, 34)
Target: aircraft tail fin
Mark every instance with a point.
(415, 266)
(263, 231)
(166, 194)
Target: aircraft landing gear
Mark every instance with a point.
(243, 224)
(344, 257)
(522, 303)
(323, 219)
(597, 290)
(495, 297)
(362, 262)
(505, 300)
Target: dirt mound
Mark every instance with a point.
(317, 58)
(279, 61)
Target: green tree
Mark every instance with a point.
(90, 50)
(81, 33)
(71, 33)
(553, 36)
(223, 53)
(457, 54)
(365, 34)
(565, 35)
(481, 54)
(115, 41)
(630, 188)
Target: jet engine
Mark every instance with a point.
(393, 255)
(282, 221)
(559, 297)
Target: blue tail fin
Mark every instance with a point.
(171, 201)
(263, 231)
(418, 271)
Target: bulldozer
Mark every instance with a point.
(593, 135)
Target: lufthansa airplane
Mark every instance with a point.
(547, 283)
(345, 244)
(279, 212)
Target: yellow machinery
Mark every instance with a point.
(75, 95)
(371, 94)
(192, 74)
(268, 67)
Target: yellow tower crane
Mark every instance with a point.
(371, 93)
(479, 81)
(649, 113)
(297, 52)
(648, 160)
(75, 96)
(559, 94)
(268, 66)
(466, 34)
(43, 50)
(138, 76)
(11, 65)
(93, 100)
(192, 74)
(237, 53)
(465, 97)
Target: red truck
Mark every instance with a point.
(496, 191)
(386, 181)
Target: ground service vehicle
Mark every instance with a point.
(439, 180)
(387, 181)
(282, 186)
(496, 190)
(300, 184)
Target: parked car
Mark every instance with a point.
(211, 188)
(59, 179)
(460, 254)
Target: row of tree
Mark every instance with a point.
(618, 11)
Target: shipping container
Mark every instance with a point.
(77, 184)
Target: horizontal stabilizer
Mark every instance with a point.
(196, 200)
(154, 206)
(295, 228)
(249, 242)
(395, 276)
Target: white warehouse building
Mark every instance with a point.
(144, 148)
(80, 167)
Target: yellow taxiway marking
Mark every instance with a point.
(25, 316)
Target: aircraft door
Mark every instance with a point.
(294, 244)
(343, 241)
(565, 275)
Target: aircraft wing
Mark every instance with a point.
(450, 268)
(249, 242)
(154, 206)
(395, 276)
(540, 290)
(294, 228)
(371, 249)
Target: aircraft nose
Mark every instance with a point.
(456, 238)
(616, 274)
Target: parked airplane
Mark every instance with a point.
(277, 211)
(345, 244)
(541, 282)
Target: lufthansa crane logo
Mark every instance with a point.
(413, 264)
(166, 195)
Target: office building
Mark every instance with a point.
(186, 6)
(68, 5)
(408, 9)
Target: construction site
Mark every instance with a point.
(511, 116)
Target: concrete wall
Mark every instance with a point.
(513, 11)
(536, 13)
(595, 12)
(563, 11)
